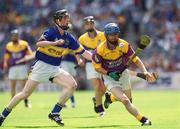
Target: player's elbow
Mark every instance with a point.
(38, 44)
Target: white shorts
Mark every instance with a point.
(42, 72)
(124, 81)
(91, 72)
(69, 67)
(18, 72)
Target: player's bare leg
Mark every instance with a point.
(26, 92)
(128, 93)
(69, 85)
(12, 87)
(120, 96)
(99, 92)
(26, 101)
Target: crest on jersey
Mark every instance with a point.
(67, 41)
(121, 45)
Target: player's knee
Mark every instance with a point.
(25, 94)
(125, 100)
(72, 85)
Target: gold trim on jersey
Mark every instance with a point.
(53, 51)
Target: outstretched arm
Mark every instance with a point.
(87, 55)
(149, 77)
(26, 58)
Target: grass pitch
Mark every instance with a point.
(161, 106)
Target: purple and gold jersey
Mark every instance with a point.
(91, 43)
(52, 54)
(113, 60)
(16, 52)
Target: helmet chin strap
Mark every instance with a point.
(62, 27)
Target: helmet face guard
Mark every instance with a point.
(59, 15)
(112, 29)
(89, 19)
(14, 35)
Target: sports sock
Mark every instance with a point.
(25, 101)
(113, 98)
(57, 108)
(141, 118)
(72, 99)
(99, 109)
(6, 112)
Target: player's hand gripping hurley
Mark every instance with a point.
(143, 43)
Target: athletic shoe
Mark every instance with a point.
(56, 117)
(1, 119)
(146, 123)
(107, 100)
(101, 114)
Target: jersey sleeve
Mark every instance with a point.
(128, 51)
(47, 35)
(81, 41)
(75, 45)
(6, 53)
(96, 59)
(28, 49)
(103, 38)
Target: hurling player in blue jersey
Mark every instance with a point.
(53, 44)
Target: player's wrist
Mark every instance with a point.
(108, 72)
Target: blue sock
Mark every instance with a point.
(72, 99)
(57, 108)
(5, 112)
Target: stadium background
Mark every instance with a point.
(157, 18)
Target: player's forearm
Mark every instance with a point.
(140, 65)
(87, 55)
(45, 43)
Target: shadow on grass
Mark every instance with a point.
(33, 127)
(106, 126)
(80, 117)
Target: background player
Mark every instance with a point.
(52, 45)
(16, 50)
(90, 40)
(109, 59)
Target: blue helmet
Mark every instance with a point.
(111, 28)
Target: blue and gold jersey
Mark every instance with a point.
(91, 43)
(113, 60)
(52, 54)
(14, 52)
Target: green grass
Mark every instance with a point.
(161, 106)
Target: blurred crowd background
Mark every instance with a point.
(160, 19)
